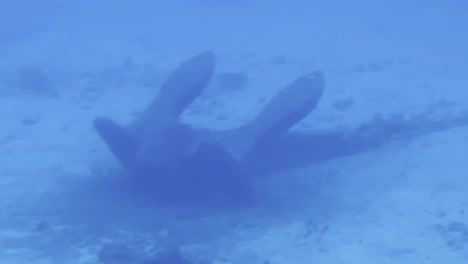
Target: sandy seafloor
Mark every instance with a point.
(404, 202)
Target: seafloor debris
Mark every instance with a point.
(34, 81)
(456, 234)
(119, 253)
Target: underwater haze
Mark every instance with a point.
(233, 132)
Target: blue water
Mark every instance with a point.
(95, 168)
